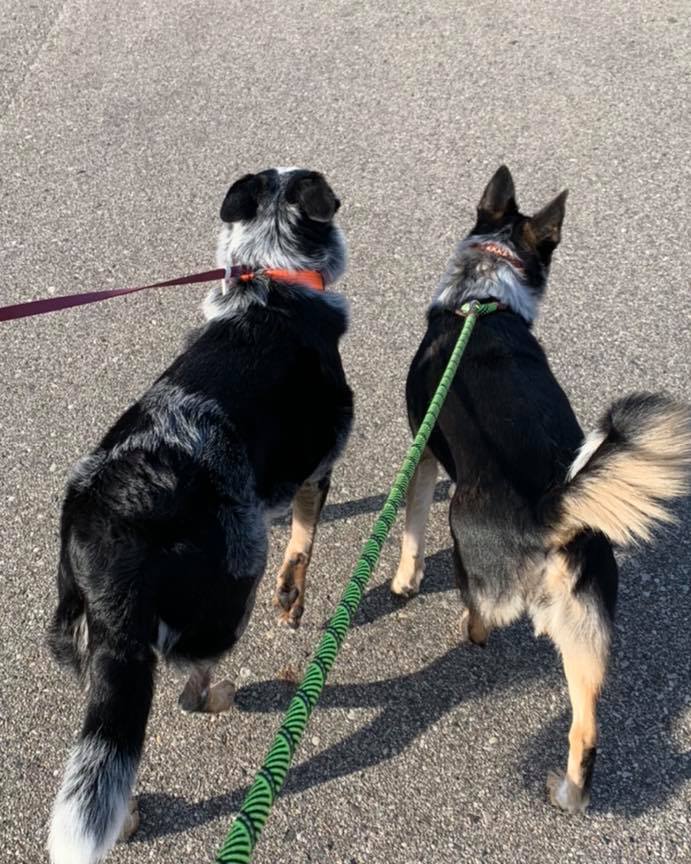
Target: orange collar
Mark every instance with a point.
(307, 278)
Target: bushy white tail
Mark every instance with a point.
(627, 470)
(92, 804)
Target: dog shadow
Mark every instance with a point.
(408, 705)
(379, 602)
(361, 506)
(639, 766)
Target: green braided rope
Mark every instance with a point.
(246, 828)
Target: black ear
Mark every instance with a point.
(313, 195)
(499, 197)
(242, 198)
(546, 223)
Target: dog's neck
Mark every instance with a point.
(462, 283)
(268, 245)
(271, 243)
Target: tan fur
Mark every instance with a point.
(581, 634)
(420, 495)
(473, 628)
(585, 676)
(290, 582)
(569, 619)
(624, 497)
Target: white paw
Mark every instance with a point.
(407, 584)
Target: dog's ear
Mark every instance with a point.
(313, 195)
(499, 198)
(242, 198)
(545, 225)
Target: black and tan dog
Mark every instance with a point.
(536, 506)
(165, 524)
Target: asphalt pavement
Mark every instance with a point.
(121, 126)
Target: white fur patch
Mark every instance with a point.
(500, 611)
(562, 794)
(165, 638)
(592, 441)
(91, 806)
(500, 280)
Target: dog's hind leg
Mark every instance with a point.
(411, 568)
(585, 672)
(580, 624)
(473, 628)
(290, 582)
(199, 695)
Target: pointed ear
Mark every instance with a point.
(499, 197)
(546, 224)
(313, 195)
(242, 198)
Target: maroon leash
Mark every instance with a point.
(53, 304)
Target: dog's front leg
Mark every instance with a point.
(289, 595)
(411, 568)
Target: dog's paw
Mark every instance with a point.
(292, 614)
(564, 794)
(220, 697)
(406, 584)
(472, 630)
(131, 823)
(289, 594)
(192, 699)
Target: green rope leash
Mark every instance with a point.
(245, 830)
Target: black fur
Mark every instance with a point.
(242, 199)
(167, 520)
(506, 436)
(313, 194)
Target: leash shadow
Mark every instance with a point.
(407, 706)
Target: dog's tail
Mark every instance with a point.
(92, 804)
(637, 460)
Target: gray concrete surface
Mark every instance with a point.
(122, 124)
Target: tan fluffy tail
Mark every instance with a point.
(627, 470)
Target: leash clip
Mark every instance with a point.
(226, 280)
(467, 309)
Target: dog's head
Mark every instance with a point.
(507, 254)
(282, 217)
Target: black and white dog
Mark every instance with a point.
(535, 506)
(164, 526)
